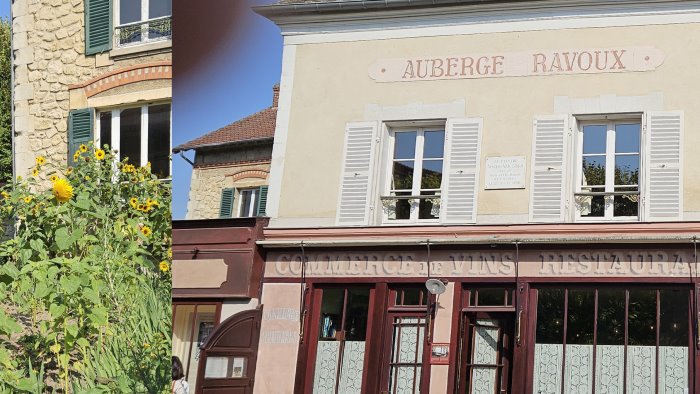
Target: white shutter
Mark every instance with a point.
(463, 148)
(356, 178)
(548, 176)
(664, 177)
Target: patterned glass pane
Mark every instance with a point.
(548, 364)
(609, 372)
(352, 367)
(326, 371)
(578, 375)
(407, 354)
(486, 340)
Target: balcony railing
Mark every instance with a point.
(142, 32)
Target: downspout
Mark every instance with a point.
(182, 154)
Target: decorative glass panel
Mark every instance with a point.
(549, 359)
(486, 340)
(641, 369)
(408, 336)
(225, 367)
(609, 372)
(326, 368)
(578, 376)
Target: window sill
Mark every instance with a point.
(142, 49)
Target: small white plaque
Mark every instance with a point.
(505, 172)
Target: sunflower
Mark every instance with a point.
(53, 178)
(76, 156)
(35, 172)
(40, 161)
(145, 230)
(5, 195)
(170, 253)
(141, 207)
(164, 266)
(128, 168)
(69, 170)
(62, 190)
(27, 199)
(99, 154)
(134, 202)
(82, 148)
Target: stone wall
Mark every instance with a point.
(49, 56)
(207, 182)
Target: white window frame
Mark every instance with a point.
(253, 201)
(417, 173)
(610, 121)
(145, 18)
(115, 144)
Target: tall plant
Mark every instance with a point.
(85, 281)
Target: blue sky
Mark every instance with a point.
(233, 81)
(5, 8)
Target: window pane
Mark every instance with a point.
(105, 129)
(492, 297)
(626, 205)
(158, 8)
(674, 318)
(581, 314)
(129, 11)
(611, 317)
(434, 144)
(405, 145)
(331, 313)
(403, 175)
(411, 296)
(159, 139)
(356, 315)
(246, 197)
(591, 206)
(225, 367)
(627, 170)
(627, 138)
(550, 316)
(432, 174)
(593, 168)
(130, 135)
(402, 210)
(594, 137)
(642, 318)
(429, 208)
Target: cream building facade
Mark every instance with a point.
(532, 161)
(92, 70)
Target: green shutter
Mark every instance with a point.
(262, 200)
(79, 130)
(98, 26)
(226, 209)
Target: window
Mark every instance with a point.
(415, 175)
(608, 170)
(192, 325)
(142, 21)
(612, 340)
(140, 134)
(247, 202)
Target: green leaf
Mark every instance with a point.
(57, 310)
(69, 285)
(7, 325)
(63, 241)
(41, 290)
(72, 329)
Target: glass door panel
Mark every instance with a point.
(407, 350)
(487, 351)
(340, 351)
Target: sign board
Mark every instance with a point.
(516, 64)
(505, 172)
(440, 353)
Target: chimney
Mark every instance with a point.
(275, 95)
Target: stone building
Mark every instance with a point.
(231, 167)
(483, 197)
(92, 70)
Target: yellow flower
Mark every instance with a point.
(128, 168)
(87, 177)
(146, 345)
(62, 190)
(134, 202)
(55, 348)
(82, 148)
(99, 154)
(145, 230)
(53, 178)
(164, 266)
(141, 207)
(76, 156)
(19, 178)
(69, 170)
(41, 160)
(35, 172)
(6, 195)
(170, 253)
(27, 199)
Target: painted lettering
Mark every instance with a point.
(498, 65)
(409, 70)
(618, 60)
(538, 60)
(437, 66)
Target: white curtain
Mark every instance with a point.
(609, 369)
(578, 374)
(673, 370)
(548, 364)
(326, 369)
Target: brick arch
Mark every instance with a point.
(125, 76)
(260, 174)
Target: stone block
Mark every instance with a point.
(23, 23)
(19, 40)
(24, 92)
(24, 124)
(19, 8)
(24, 56)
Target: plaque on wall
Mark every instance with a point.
(505, 172)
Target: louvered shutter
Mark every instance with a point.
(226, 207)
(461, 186)
(664, 177)
(262, 200)
(548, 179)
(355, 188)
(79, 130)
(98, 26)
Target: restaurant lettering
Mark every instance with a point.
(511, 64)
(483, 264)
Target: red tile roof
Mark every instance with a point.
(259, 125)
